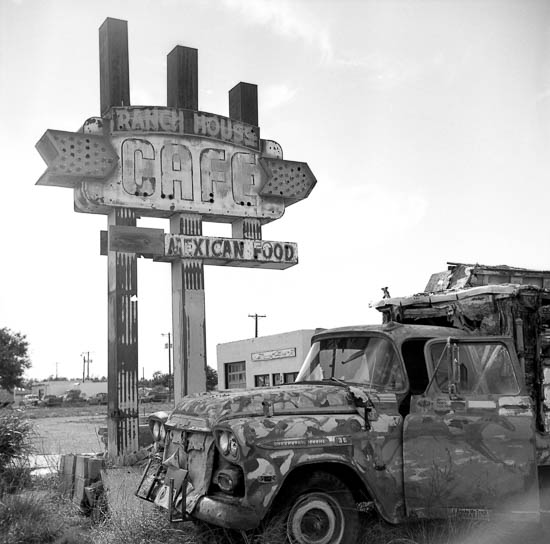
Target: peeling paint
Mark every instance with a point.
(441, 455)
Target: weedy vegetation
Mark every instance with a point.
(15, 448)
(36, 510)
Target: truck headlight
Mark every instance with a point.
(159, 431)
(228, 445)
(157, 428)
(229, 479)
(156, 431)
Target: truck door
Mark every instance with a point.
(469, 440)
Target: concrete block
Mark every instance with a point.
(67, 468)
(79, 496)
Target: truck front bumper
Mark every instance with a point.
(226, 512)
(221, 510)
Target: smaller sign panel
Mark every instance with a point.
(136, 240)
(232, 251)
(274, 354)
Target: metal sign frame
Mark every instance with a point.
(188, 166)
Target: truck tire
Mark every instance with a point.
(321, 510)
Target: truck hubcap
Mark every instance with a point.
(316, 518)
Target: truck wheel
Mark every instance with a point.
(321, 510)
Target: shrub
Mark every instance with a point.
(15, 447)
(25, 520)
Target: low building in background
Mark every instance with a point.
(60, 387)
(262, 362)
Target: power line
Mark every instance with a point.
(256, 317)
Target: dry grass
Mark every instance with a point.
(43, 515)
(127, 520)
(452, 531)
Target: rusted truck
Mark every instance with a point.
(441, 411)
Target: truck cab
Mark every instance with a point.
(414, 420)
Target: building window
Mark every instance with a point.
(235, 375)
(277, 379)
(290, 377)
(261, 380)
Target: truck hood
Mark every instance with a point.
(205, 410)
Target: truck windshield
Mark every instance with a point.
(371, 361)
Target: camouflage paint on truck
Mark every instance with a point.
(405, 417)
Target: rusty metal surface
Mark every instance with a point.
(469, 458)
(518, 310)
(281, 429)
(461, 455)
(290, 180)
(188, 314)
(160, 175)
(156, 119)
(232, 251)
(397, 332)
(274, 447)
(144, 241)
(239, 252)
(213, 408)
(73, 157)
(123, 421)
(229, 513)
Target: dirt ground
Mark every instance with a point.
(74, 429)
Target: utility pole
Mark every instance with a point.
(169, 347)
(256, 317)
(56, 367)
(85, 364)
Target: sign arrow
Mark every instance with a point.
(290, 180)
(72, 157)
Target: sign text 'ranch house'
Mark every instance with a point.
(181, 121)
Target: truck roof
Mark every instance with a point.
(396, 331)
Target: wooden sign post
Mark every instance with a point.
(187, 166)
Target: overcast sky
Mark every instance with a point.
(426, 124)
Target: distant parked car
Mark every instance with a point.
(30, 400)
(146, 397)
(51, 400)
(74, 396)
(155, 395)
(142, 392)
(98, 398)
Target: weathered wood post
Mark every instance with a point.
(188, 302)
(122, 417)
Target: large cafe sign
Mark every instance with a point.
(184, 165)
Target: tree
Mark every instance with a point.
(211, 378)
(163, 379)
(160, 379)
(14, 359)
